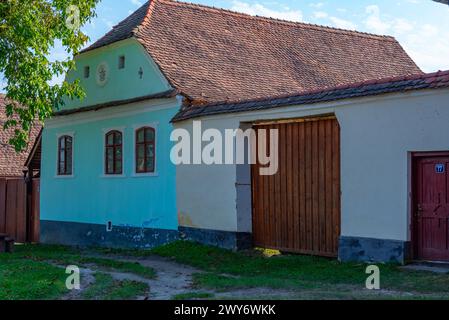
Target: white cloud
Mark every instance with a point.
(428, 46)
(334, 21)
(137, 2)
(342, 24)
(374, 22)
(382, 25)
(402, 26)
(261, 10)
(320, 14)
(317, 5)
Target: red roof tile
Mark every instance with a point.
(212, 55)
(356, 90)
(11, 162)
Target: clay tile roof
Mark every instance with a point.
(435, 80)
(213, 55)
(12, 163)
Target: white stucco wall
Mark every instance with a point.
(377, 136)
(206, 194)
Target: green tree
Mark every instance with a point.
(29, 29)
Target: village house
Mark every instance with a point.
(355, 116)
(362, 173)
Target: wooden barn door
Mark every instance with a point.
(432, 208)
(298, 209)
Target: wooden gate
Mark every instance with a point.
(19, 210)
(298, 209)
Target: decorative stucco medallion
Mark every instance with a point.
(102, 74)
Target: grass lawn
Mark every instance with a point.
(74, 256)
(36, 272)
(22, 279)
(229, 270)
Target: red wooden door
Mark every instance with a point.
(432, 208)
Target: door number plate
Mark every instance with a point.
(439, 168)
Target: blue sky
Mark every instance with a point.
(421, 26)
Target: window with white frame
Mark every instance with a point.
(65, 155)
(114, 153)
(145, 150)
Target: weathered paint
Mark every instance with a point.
(218, 238)
(122, 84)
(185, 220)
(86, 234)
(377, 136)
(90, 196)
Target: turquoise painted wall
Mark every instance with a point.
(122, 84)
(89, 197)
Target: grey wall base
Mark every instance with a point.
(84, 234)
(373, 250)
(222, 239)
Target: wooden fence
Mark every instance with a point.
(19, 209)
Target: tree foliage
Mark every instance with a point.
(29, 29)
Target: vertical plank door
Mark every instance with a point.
(298, 209)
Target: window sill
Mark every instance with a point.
(64, 177)
(112, 176)
(145, 175)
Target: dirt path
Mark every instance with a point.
(87, 279)
(172, 278)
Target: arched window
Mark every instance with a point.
(65, 154)
(114, 153)
(145, 150)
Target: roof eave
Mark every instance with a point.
(163, 95)
(357, 90)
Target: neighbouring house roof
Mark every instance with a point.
(211, 55)
(12, 163)
(361, 89)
